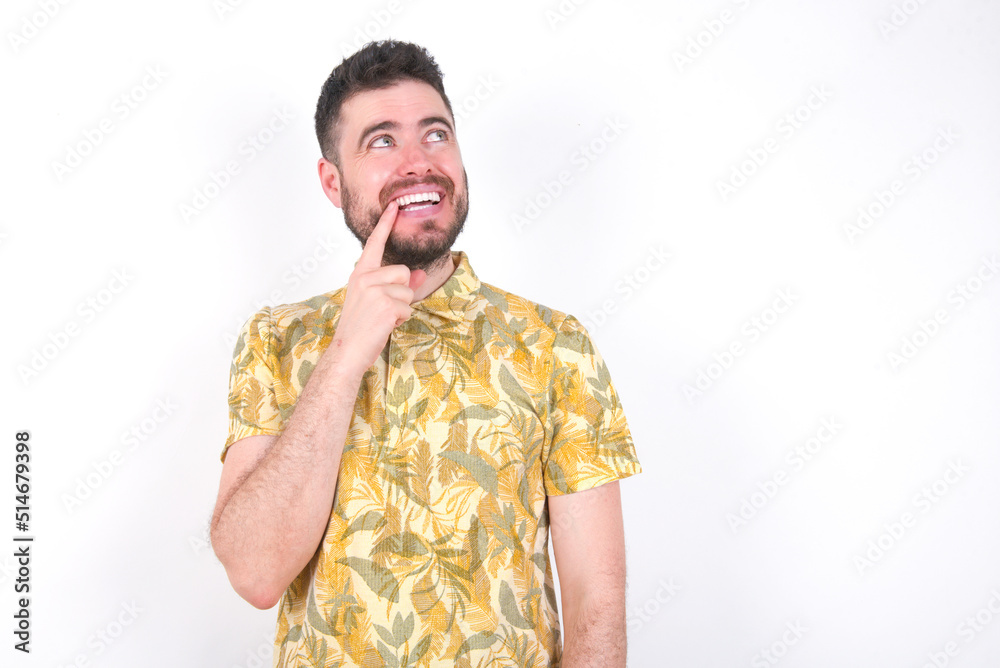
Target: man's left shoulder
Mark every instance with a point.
(533, 316)
(539, 323)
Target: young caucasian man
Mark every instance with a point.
(400, 448)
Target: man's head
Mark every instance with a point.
(386, 130)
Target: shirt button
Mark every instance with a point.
(399, 358)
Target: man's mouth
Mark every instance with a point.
(418, 201)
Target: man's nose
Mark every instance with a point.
(414, 160)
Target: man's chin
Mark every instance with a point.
(425, 258)
(426, 246)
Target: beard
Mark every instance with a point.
(429, 245)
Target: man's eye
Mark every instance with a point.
(437, 135)
(377, 142)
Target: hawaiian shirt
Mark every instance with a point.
(436, 553)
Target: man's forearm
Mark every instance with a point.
(595, 633)
(272, 523)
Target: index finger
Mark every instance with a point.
(371, 255)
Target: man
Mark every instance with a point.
(399, 448)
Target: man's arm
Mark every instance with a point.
(276, 492)
(588, 541)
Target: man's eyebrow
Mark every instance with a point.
(384, 125)
(393, 125)
(431, 120)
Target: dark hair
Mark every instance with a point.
(376, 65)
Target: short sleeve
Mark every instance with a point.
(253, 408)
(590, 443)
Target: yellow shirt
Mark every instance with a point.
(436, 553)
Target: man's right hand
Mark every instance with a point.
(377, 301)
(276, 492)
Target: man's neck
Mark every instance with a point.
(437, 275)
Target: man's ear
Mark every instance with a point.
(329, 178)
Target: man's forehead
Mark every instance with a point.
(402, 102)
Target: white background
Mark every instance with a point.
(872, 550)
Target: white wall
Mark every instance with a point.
(908, 458)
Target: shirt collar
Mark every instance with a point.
(456, 296)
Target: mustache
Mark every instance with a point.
(441, 181)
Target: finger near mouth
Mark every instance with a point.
(421, 209)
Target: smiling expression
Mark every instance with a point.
(398, 143)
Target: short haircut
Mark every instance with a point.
(377, 65)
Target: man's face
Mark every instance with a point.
(393, 143)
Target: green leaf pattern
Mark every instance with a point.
(436, 553)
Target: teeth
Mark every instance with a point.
(418, 197)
